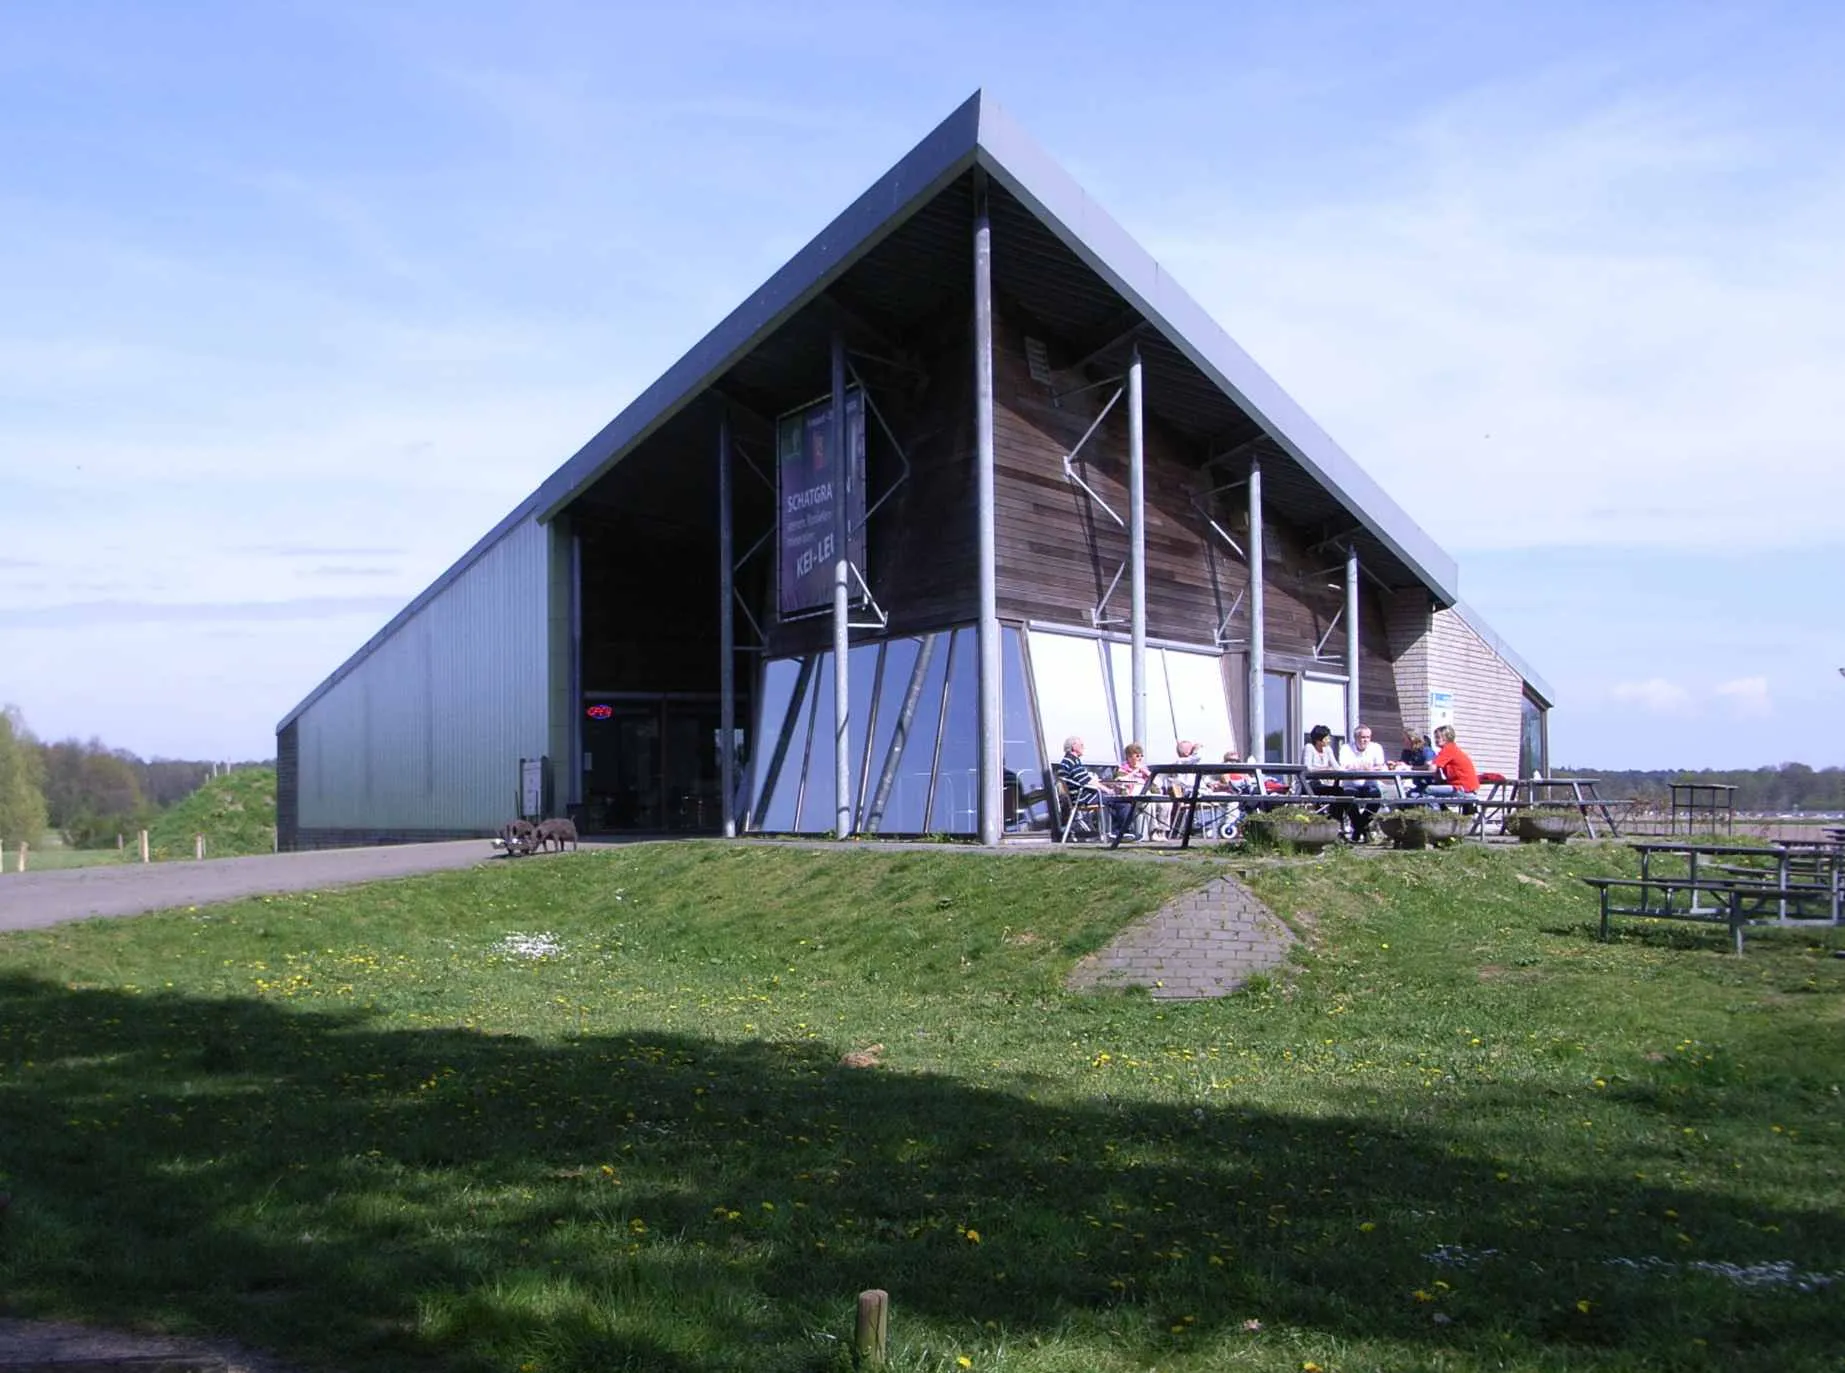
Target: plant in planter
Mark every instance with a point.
(1423, 827)
(1299, 829)
(1555, 823)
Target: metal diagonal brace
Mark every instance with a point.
(1099, 615)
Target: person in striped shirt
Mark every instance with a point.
(1082, 786)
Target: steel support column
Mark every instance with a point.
(842, 597)
(990, 750)
(727, 638)
(573, 787)
(1351, 642)
(1258, 729)
(1137, 549)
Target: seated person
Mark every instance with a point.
(1416, 754)
(1235, 782)
(1080, 784)
(1458, 774)
(1362, 755)
(1130, 780)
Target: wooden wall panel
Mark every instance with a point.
(1058, 549)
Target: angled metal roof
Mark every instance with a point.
(1206, 374)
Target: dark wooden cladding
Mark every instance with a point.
(1059, 550)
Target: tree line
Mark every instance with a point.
(1778, 790)
(86, 791)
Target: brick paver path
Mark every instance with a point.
(1205, 943)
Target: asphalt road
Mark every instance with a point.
(32, 900)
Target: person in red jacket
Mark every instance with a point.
(1459, 777)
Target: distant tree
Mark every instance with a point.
(93, 791)
(22, 796)
(166, 780)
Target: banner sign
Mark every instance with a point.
(809, 485)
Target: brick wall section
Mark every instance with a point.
(1487, 692)
(1436, 649)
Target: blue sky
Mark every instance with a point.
(300, 298)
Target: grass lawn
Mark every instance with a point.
(51, 852)
(587, 1113)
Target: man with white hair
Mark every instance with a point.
(1081, 785)
(1361, 754)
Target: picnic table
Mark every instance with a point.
(1505, 795)
(1192, 796)
(1275, 784)
(1735, 884)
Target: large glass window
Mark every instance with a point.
(1200, 709)
(1159, 699)
(781, 726)
(1027, 800)
(1072, 698)
(957, 775)
(1278, 733)
(1322, 702)
(899, 692)
(1533, 743)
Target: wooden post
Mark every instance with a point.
(871, 1341)
(2, 855)
(198, 847)
(118, 841)
(144, 846)
(23, 846)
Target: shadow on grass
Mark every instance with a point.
(389, 1198)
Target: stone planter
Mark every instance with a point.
(1421, 829)
(1288, 832)
(1532, 829)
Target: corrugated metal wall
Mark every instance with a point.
(427, 732)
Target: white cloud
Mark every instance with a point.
(1655, 694)
(1747, 695)
(1565, 324)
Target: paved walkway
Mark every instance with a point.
(31, 900)
(1205, 943)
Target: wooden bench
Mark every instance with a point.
(1734, 902)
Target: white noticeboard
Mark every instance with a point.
(1441, 709)
(531, 787)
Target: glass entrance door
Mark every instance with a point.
(652, 767)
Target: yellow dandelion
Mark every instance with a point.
(1584, 1305)
(973, 1236)
(964, 1362)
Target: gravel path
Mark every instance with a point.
(31, 900)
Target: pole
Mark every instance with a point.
(1258, 728)
(871, 1331)
(1351, 642)
(727, 639)
(842, 637)
(990, 746)
(1137, 550)
(144, 846)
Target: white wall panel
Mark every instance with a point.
(427, 731)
